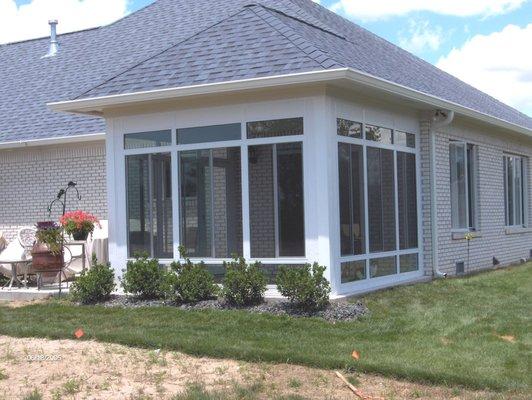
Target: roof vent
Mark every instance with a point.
(54, 45)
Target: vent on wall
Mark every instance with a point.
(460, 268)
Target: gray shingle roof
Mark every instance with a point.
(174, 43)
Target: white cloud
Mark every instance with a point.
(499, 64)
(378, 9)
(31, 20)
(421, 36)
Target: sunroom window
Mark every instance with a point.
(276, 205)
(211, 202)
(378, 205)
(149, 199)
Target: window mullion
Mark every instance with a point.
(150, 202)
(211, 167)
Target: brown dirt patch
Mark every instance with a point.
(71, 369)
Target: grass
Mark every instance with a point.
(473, 331)
(197, 392)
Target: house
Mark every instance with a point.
(273, 129)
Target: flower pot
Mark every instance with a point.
(45, 262)
(80, 235)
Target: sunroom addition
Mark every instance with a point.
(239, 189)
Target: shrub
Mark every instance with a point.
(95, 284)
(305, 287)
(144, 278)
(244, 284)
(193, 282)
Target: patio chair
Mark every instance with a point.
(15, 257)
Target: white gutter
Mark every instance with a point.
(434, 126)
(96, 104)
(51, 141)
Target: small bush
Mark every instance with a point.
(244, 284)
(193, 282)
(95, 284)
(305, 287)
(144, 278)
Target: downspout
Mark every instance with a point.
(440, 119)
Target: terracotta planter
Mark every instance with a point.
(43, 260)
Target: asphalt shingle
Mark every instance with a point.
(175, 43)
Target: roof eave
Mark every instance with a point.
(89, 137)
(96, 105)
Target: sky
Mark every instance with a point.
(486, 43)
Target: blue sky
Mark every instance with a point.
(487, 43)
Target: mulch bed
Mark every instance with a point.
(334, 312)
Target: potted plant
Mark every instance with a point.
(79, 224)
(47, 252)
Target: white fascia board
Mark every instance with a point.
(90, 105)
(90, 137)
(434, 101)
(96, 103)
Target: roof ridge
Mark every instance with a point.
(311, 51)
(158, 53)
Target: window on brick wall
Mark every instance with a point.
(276, 200)
(211, 202)
(514, 194)
(463, 179)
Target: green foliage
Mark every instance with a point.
(192, 282)
(305, 287)
(50, 234)
(35, 395)
(244, 284)
(144, 278)
(95, 284)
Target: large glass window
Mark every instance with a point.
(149, 205)
(462, 157)
(407, 200)
(351, 171)
(275, 128)
(514, 173)
(211, 202)
(276, 200)
(147, 139)
(378, 201)
(381, 200)
(204, 134)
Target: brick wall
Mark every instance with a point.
(493, 240)
(31, 178)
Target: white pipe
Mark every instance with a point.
(436, 123)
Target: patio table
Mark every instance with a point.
(14, 278)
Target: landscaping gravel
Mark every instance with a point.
(334, 312)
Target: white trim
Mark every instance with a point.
(89, 137)
(97, 104)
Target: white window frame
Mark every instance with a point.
(367, 255)
(524, 190)
(175, 150)
(474, 227)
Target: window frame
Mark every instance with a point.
(366, 255)
(523, 161)
(243, 143)
(472, 204)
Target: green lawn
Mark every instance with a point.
(474, 331)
